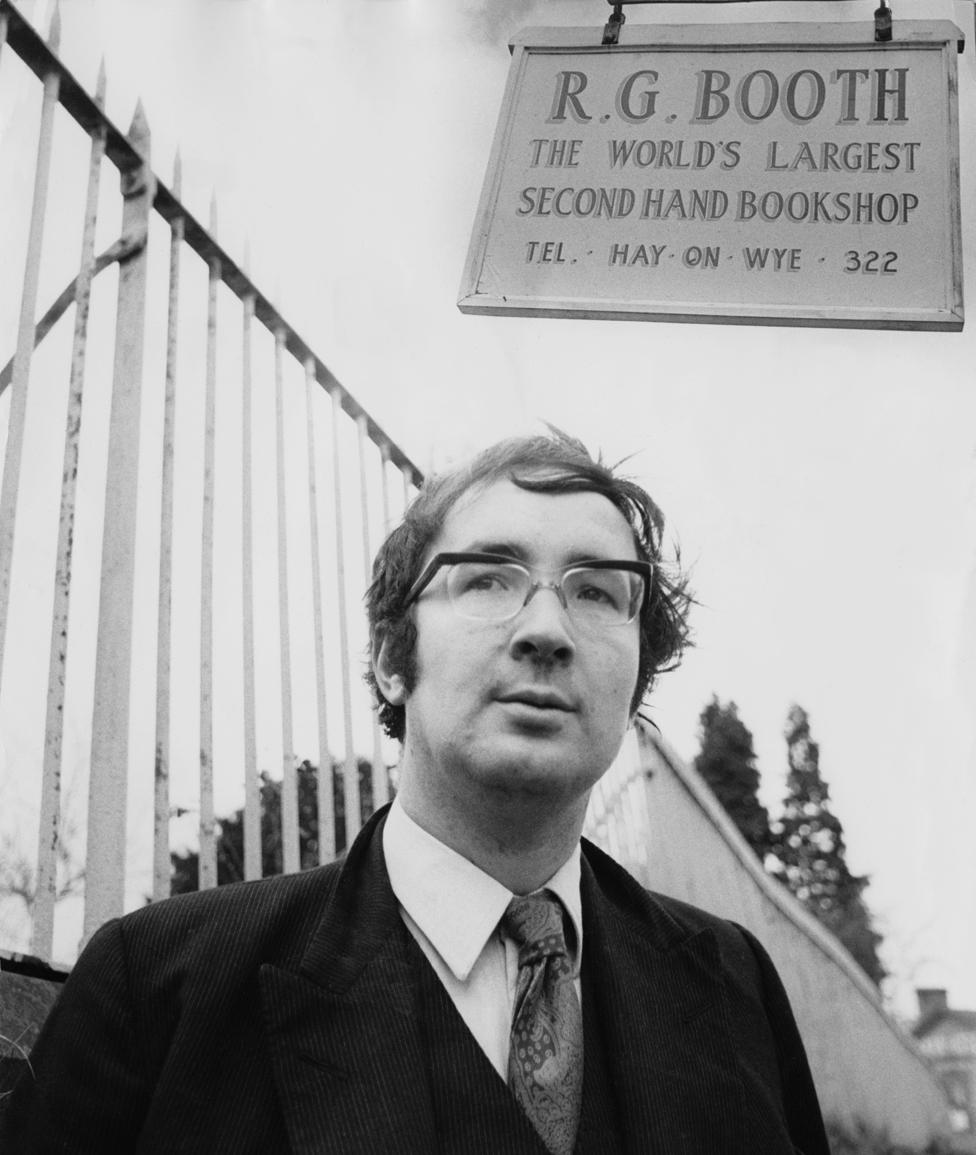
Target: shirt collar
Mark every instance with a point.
(455, 903)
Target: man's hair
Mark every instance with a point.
(554, 463)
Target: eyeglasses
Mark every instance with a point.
(489, 587)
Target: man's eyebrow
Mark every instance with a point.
(518, 553)
(503, 548)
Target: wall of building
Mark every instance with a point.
(948, 1041)
(657, 817)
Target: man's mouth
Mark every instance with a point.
(539, 699)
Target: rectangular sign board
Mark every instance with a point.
(775, 174)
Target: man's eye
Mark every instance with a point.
(600, 590)
(484, 580)
(595, 594)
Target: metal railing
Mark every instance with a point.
(279, 484)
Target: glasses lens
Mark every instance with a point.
(603, 597)
(488, 590)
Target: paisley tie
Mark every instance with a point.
(545, 1062)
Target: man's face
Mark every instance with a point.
(533, 705)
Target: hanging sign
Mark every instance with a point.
(781, 174)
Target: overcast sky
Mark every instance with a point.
(820, 483)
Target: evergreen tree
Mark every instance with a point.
(727, 762)
(230, 838)
(808, 845)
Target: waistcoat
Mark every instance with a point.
(474, 1110)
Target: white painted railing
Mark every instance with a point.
(198, 425)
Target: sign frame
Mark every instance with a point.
(484, 289)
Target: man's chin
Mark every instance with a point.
(529, 772)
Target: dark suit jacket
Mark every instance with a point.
(282, 1015)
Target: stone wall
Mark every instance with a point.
(27, 992)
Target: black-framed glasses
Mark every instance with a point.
(493, 588)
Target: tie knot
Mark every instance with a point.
(535, 923)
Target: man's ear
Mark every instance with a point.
(390, 681)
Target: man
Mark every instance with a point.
(468, 979)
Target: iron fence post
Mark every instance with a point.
(107, 791)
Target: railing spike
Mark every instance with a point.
(177, 174)
(213, 213)
(54, 30)
(139, 133)
(100, 84)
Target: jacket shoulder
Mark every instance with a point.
(275, 893)
(234, 927)
(669, 920)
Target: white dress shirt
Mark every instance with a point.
(452, 909)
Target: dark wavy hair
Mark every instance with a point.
(553, 463)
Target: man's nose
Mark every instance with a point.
(542, 627)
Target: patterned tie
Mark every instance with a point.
(545, 1061)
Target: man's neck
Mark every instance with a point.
(520, 843)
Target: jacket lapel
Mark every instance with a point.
(662, 1007)
(343, 1031)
